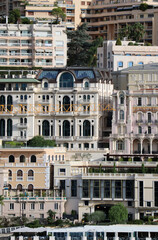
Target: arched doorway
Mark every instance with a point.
(9, 103)
(66, 128)
(45, 128)
(66, 104)
(86, 128)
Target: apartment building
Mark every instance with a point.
(28, 189)
(33, 45)
(105, 18)
(91, 185)
(134, 124)
(115, 58)
(98, 232)
(69, 105)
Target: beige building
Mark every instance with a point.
(29, 189)
(115, 58)
(34, 45)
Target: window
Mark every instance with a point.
(86, 128)
(62, 184)
(85, 189)
(148, 204)
(130, 64)
(42, 216)
(32, 206)
(149, 117)
(141, 193)
(23, 206)
(19, 175)
(86, 85)
(73, 188)
(129, 189)
(66, 80)
(121, 115)
(107, 189)
(30, 175)
(45, 128)
(118, 187)
(149, 130)
(41, 206)
(120, 145)
(10, 175)
(63, 157)
(57, 33)
(66, 128)
(45, 85)
(139, 101)
(96, 188)
(121, 99)
(56, 206)
(22, 158)
(120, 64)
(140, 130)
(11, 206)
(140, 63)
(156, 193)
(62, 171)
(60, 43)
(33, 158)
(11, 159)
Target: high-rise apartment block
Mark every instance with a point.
(33, 45)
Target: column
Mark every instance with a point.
(36, 238)
(91, 189)
(151, 147)
(12, 238)
(124, 189)
(68, 236)
(95, 237)
(116, 236)
(84, 236)
(131, 143)
(141, 145)
(105, 236)
(21, 238)
(113, 189)
(51, 238)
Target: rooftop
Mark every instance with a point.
(19, 80)
(145, 67)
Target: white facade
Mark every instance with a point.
(33, 45)
(67, 105)
(114, 57)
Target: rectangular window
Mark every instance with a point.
(56, 206)
(41, 206)
(107, 189)
(141, 193)
(42, 216)
(118, 189)
(57, 33)
(62, 171)
(62, 184)
(32, 206)
(73, 188)
(139, 101)
(129, 189)
(59, 43)
(11, 206)
(23, 206)
(156, 193)
(96, 189)
(120, 64)
(85, 191)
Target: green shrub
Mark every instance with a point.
(130, 44)
(120, 159)
(143, 6)
(118, 42)
(149, 159)
(129, 159)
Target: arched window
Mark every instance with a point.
(30, 187)
(122, 115)
(130, 64)
(10, 175)
(9, 127)
(66, 128)
(66, 80)
(120, 145)
(88, 97)
(149, 130)
(2, 103)
(25, 120)
(140, 63)
(63, 158)
(11, 159)
(22, 158)
(45, 85)
(66, 104)
(21, 97)
(9, 186)
(30, 175)
(86, 85)
(33, 158)
(149, 117)
(121, 99)
(2, 127)
(9, 103)
(59, 157)
(19, 175)
(139, 129)
(84, 97)
(21, 120)
(139, 116)
(45, 128)
(25, 97)
(19, 187)
(120, 64)
(86, 128)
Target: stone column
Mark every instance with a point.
(116, 236)
(151, 147)
(105, 236)
(36, 238)
(12, 238)
(141, 145)
(51, 238)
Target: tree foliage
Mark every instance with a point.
(58, 13)
(118, 213)
(97, 217)
(118, 42)
(14, 16)
(81, 50)
(134, 32)
(39, 141)
(1, 200)
(51, 216)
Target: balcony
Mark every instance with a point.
(30, 178)
(22, 125)
(139, 121)
(19, 178)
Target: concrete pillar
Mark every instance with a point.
(105, 236)
(116, 236)
(84, 236)
(12, 238)
(95, 237)
(36, 238)
(102, 189)
(68, 236)
(151, 147)
(141, 146)
(113, 189)
(21, 238)
(91, 189)
(124, 189)
(51, 238)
